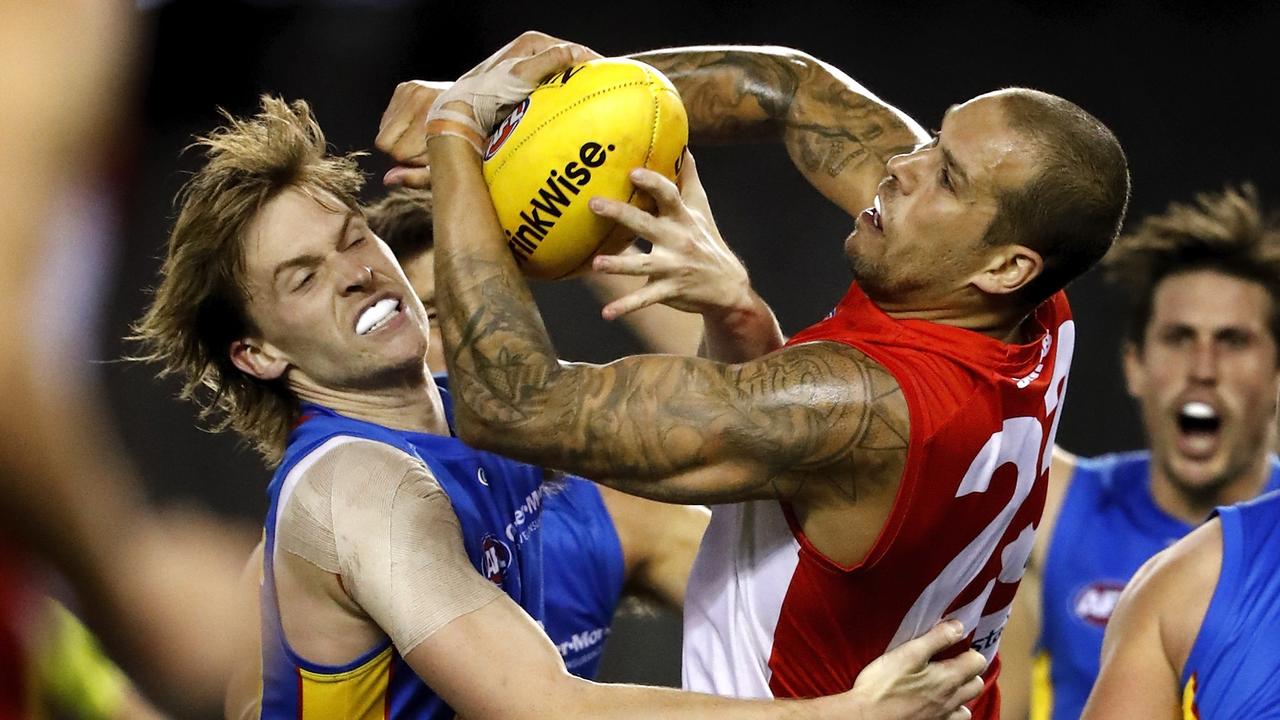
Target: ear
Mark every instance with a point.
(1009, 270)
(258, 360)
(1135, 372)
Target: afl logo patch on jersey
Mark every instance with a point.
(504, 130)
(1094, 603)
(495, 556)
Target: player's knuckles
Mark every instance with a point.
(532, 41)
(973, 661)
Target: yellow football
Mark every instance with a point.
(577, 136)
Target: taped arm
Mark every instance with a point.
(837, 132)
(677, 429)
(378, 519)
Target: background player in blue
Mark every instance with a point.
(382, 552)
(1195, 634)
(1202, 362)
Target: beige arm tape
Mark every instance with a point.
(381, 521)
(488, 94)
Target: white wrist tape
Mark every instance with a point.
(489, 93)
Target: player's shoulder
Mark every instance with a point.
(1164, 582)
(348, 465)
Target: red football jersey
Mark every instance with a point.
(768, 615)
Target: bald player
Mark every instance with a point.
(842, 543)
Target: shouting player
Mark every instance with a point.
(1201, 360)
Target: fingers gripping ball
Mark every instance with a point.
(577, 136)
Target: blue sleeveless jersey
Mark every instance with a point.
(498, 504)
(1233, 670)
(1108, 526)
(583, 574)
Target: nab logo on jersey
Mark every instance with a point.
(1095, 602)
(495, 556)
(504, 130)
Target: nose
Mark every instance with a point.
(1204, 363)
(904, 169)
(356, 277)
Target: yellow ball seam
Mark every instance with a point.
(562, 111)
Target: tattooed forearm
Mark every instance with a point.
(829, 122)
(818, 410)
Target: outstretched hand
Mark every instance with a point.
(690, 267)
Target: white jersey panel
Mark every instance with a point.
(739, 580)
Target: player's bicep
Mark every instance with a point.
(694, 431)
(401, 553)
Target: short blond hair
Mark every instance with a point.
(200, 305)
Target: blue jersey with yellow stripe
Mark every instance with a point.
(1108, 526)
(498, 503)
(1234, 665)
(583, 575)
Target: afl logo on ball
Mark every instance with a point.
(495, 556)
(504, 130)
(1095, 602)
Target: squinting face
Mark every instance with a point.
(328, 297)
(925, 236)
(1207, 379)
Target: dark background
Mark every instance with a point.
(1188, 88)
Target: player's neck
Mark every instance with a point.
(1000, 325)
(413, 405)
(1194, 507)
(966, 307)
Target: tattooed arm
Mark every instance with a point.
(836, 131)
(668, 428)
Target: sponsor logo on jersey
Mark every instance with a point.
(495, 558)
(1045, 343)
(583, 641)
(1095, 602)
(504, 130)
(481, 477)
(988, 641)
(526, 517)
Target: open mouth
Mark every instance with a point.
(1198, 417)
(1199, 425)
(377, 316)
(872, 215)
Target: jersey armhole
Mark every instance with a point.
(1224, 597)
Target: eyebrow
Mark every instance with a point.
(312, 259)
